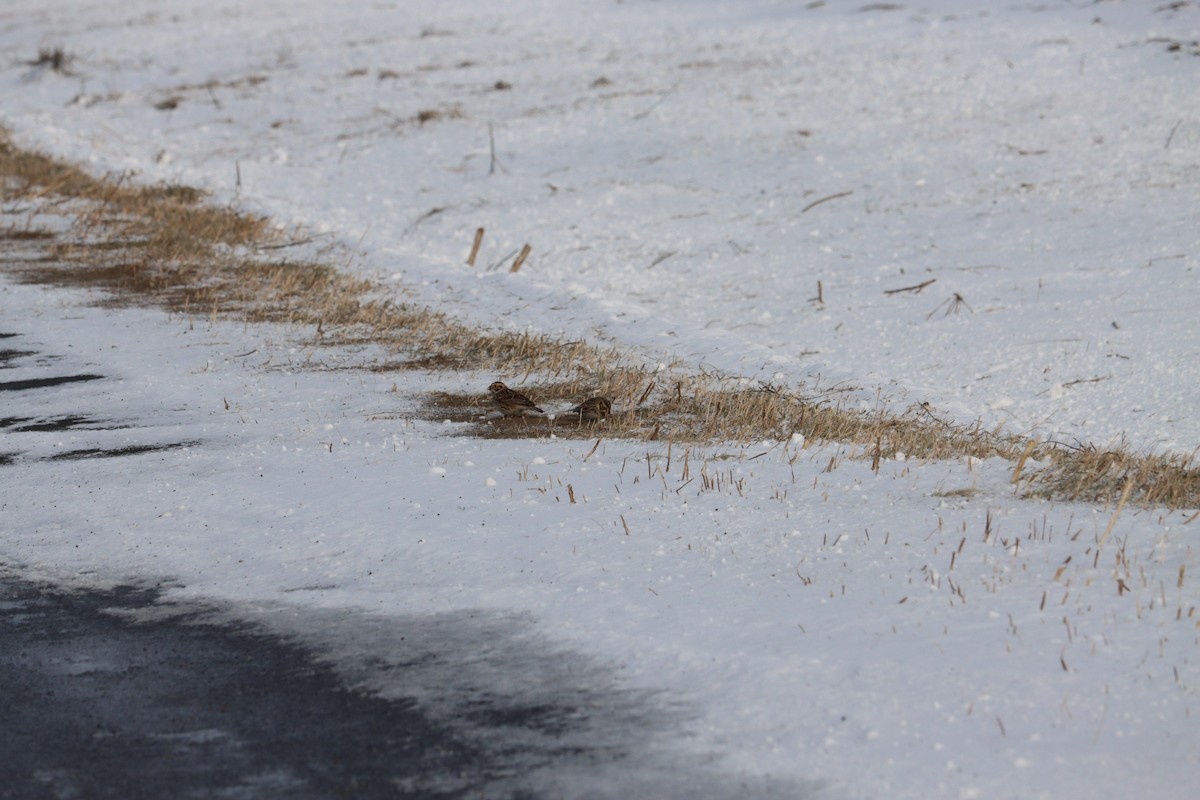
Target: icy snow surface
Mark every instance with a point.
(687, 173)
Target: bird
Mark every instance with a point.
(512, 403)
(593, 409)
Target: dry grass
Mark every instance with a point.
(1090, 473)
(162, 245)
(53, 58)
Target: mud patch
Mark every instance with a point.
(475, 416)
(12, 355)
(26, 235)
(566, 427)
(43, 383)
(482, 424)
(69, 422)
(115, 452)
(34, 426)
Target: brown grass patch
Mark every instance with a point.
(428, 115)
(53, 58)
(26, 235)
(1090, 473)
(160, 245)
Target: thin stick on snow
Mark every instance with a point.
(475, 247)
(645, 394)
(816, 203)
(914, 289)
(498, 263)
(521, 258)
(492, 148)
(1171, 135)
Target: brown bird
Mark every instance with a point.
(593, 409)
(513, 403)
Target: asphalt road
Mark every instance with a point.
(96, 705)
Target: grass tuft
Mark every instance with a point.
(53, 58)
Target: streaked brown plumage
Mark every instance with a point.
(512, 403)
(593, 409)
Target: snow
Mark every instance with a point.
(807, 624)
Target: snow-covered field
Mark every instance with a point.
(800, 619)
